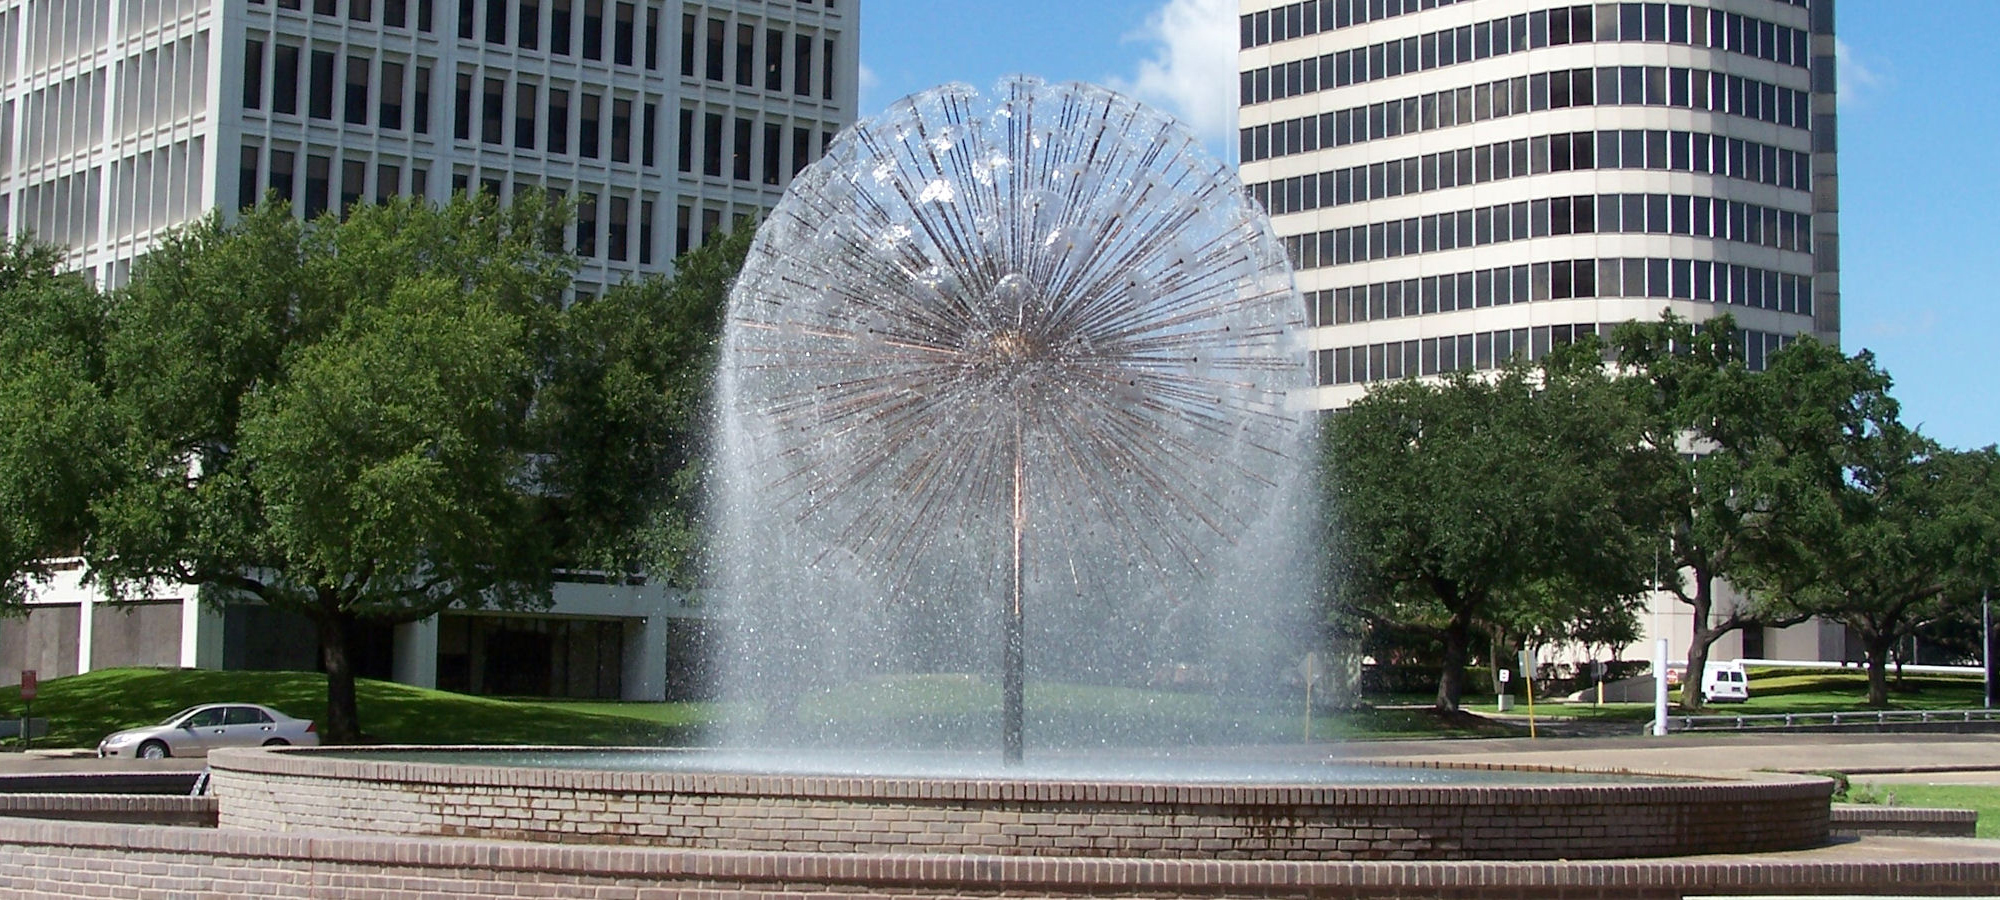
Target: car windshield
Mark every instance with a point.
(177, 716)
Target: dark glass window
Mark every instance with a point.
(713, 63)
(246, 177)
(826, 67)
(319, 178)
(496, 21)
(353, 180)
(586, 225)
(588, 126)
(320, 104)
(802, 49)
(389, 111)
(623, 27)
(253, 75)
(524, 116)
(746, 54)
(388, 182)
(620, 225)
(558, 141)
(711, 144)
(357, 91)
(686, 141)
(774, 60)
(528, 31)
(466, 19)
(593, 29)
(652, 43)
(492, 109)
(773, 140)
(645, 232)
(801, 149)
(621, 130)
(649, 133)
(420, 109)
(739, 151)
(396, 13)
(687, 45)
(560, 16)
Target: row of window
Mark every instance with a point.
(1695, 89)
(1675, 23)
(717, 63)
(394, 13)
(1679, 214)
(369, 91)
(574, 28)
(605, 226)
(539, 117)
(1314, 16)
(746, 147)
(1296, 20)
(1675, 151)
(1564, 279)
(1489, 350)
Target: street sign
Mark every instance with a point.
(27, 684)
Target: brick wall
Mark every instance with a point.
(303, 791)
(50, 860)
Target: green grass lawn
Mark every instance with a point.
(82, 709)
(1982, 798)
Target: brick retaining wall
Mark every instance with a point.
(50, 860)
(294, 790)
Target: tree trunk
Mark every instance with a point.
(1451, 680)
(1704, 637)
(343, 719)
(1878, 670)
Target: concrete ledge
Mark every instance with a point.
(1854, 819)
(57, 860)
(134, 809)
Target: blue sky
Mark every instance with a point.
(1919, 143)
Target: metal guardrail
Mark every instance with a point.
(1792, 720)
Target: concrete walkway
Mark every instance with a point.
(1971, 758)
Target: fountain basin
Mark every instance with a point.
(1534, 813)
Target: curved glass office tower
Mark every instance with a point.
(1462, 181)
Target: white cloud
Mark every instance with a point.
(1857, 83)
(1192, 69)
(866, 85)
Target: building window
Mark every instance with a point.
(465, 19)
(246, 177)
(802, 51)
(388, 182)
(319, 182)
(496, 22)
(587, 134)
(826, 66)
(353, 181)
(652, 38)
(593, 29)
(491, 109)
(321, 103)
(620, 229)
(649, 135)
(396, 13)
(685, 140)
(586, 225)
(360, 10)
(714, 60)
(621, 130)
(357, 90)
(683, 221)
(285, 80)
(646, 232)
(253, 74)
(281, 175)
(462, 127)
(739, 160)
(801, 149)
(687, 46)
(389, 113)
(560, 15)
(746, 54)
(711, 144)
(420, 112)
(558, 120)
(622, 27)
(524, 116)
(773, 141)
(528, 31)
(774, 60)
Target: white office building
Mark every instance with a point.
(121, 120)
(1460, 182)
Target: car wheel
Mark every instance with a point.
(277, 742)
(153, 750)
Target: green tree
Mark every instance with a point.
(627, 409)
(1892, 530)
(53, 429)
(1464, 502)
(335, 418)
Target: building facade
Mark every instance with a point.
(1461, 181)
(664, 122)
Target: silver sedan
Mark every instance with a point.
(198, 729)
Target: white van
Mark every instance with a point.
(1725, 682)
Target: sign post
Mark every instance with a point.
(28, 688)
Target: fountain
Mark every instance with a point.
(994, 361)
(1006, 398)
